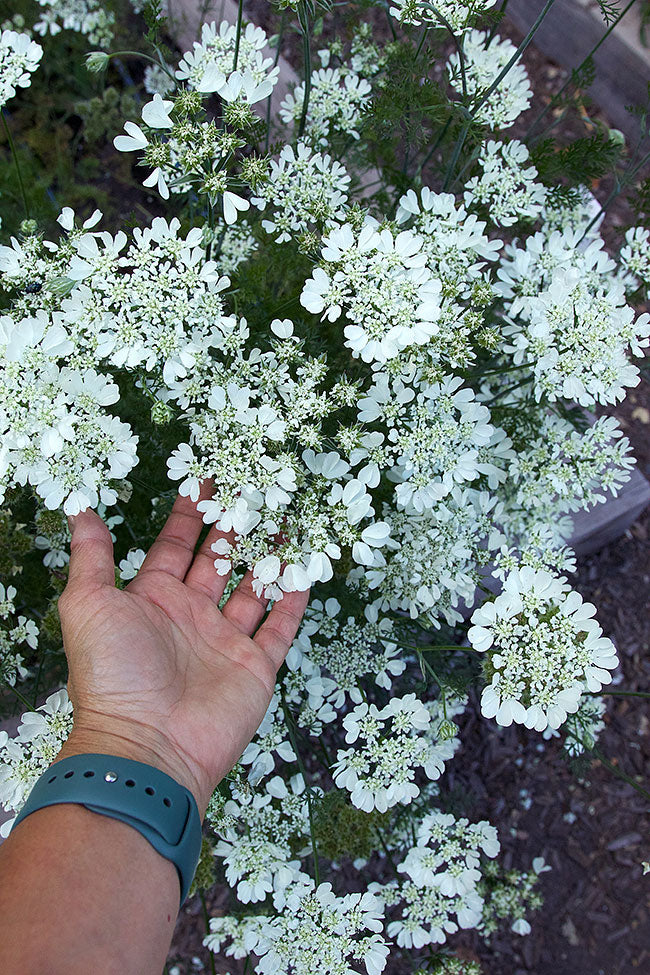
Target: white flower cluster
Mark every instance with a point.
(506, 187)
(456, 13)
(544, 649)
(391, 744)
(315, 931)
(14, 631)
(210, 65)
(263, 835)
(444, 872)
(88, 17)
(305, 189)
(26, 756)
(337, 100)
(635, 255)
(575, 328)
(19, 58)
(484, 59)
(383, 283)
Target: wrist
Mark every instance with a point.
(128, 739)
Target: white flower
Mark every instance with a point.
(390, 297)
(231, 205)
(544, 649)
(133, 140)
(313, 930)
(19, 58)
(484, 60)
(304, 189)
(209, 67)
(390, 746)
(506, 188)
(459, 14)
(130, 565)
(337, 100)
(155, 113)
(25, 757)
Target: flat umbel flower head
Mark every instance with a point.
(484, 59)
(543, 650)
(382, 284)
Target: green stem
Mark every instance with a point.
(460, 142)
(458, 42)
(207, 930)
(12, 149)
(301, 765)
(516, 56)
(554, 100)
(146, 57)
(621, 775)
(304, 26)
(443, 132)
(619, 693)
(422, 40)
(20, 697)
(386, 850)
(240, 15)
(283, 21)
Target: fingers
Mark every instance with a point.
(277, 633)
(244, 609)
(173, 550)
(91, 552)
(202, 573)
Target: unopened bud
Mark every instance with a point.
(97, 61)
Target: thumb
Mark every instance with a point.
(91, 551)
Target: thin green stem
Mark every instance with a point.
(516, 56)
(283, 21)
(442, 133)
(460, 142)
(621, 775)
(458, 42)
(554, 100)
(20, 697)
(145, 57)
(306, 48)
(386, 850)
(240, 16)
(213, 967)
(14, 154)
(301, 765)
(423, 36)
(618, 693)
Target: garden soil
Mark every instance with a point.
(591, 827)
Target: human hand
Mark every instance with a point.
(157, 672)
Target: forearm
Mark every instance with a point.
(85, 891)
(82, 892)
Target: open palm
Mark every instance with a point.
(158, 663)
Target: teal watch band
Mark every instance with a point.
(164, 811)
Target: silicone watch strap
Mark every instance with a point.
(161, 809)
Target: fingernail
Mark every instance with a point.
(71, 522)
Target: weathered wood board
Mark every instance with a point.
(567, 34)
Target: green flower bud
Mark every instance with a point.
(97, 61)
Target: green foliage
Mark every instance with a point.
(206, 875)
(579, 163)
(104, 114)
(341, 830)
